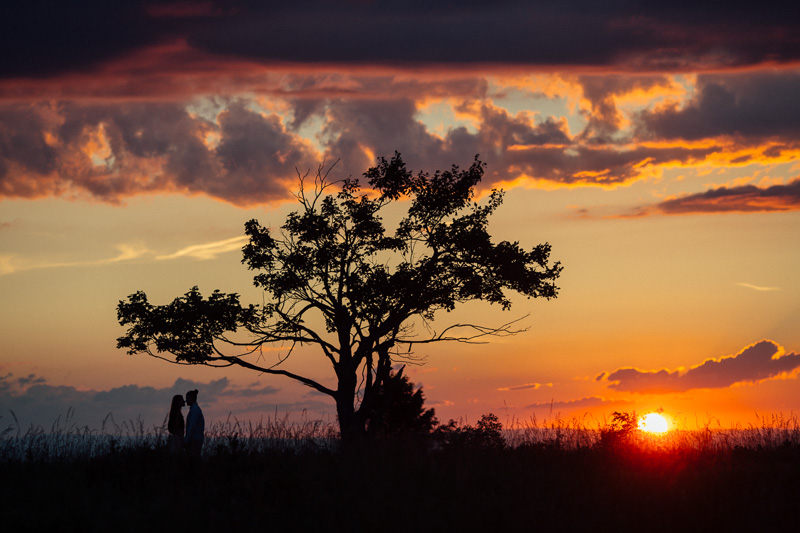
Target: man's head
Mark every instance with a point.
(191, 397)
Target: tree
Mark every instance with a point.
(334, 262)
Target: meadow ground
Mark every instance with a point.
(282, 477)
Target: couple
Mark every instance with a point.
(192, 440)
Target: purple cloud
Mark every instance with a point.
(742, 199)
(571, 405)
(760, 361)
(34, 401)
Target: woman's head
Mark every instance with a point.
(177, 401)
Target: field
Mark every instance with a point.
(281, 476)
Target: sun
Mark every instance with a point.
(653, 423)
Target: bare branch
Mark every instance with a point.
(302, 379)
(480, 332)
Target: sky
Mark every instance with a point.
(655, 145)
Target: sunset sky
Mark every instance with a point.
(654, 145)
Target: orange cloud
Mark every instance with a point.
(526, 386)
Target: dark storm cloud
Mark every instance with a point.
(510, 32)
(750, 105)
(757, 362)
(35, 402)
(46, 37)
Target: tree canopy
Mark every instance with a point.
(334, 260)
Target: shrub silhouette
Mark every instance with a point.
(487, 434)
(398, 409)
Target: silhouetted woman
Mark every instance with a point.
(176, 426)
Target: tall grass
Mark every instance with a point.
(65, 440)
(271, 434)
(770, 432)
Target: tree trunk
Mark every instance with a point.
(351, 426)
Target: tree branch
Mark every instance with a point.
(481, 331)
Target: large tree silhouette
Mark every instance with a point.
(335, 264)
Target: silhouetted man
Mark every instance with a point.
(195, 425)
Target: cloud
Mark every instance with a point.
(246, 150)
(758, 287)
(759, 361)
(760, 105)
(571, 405)
(360, 130)
(110, 152)
(738, 199)
(15, 263)
(648, 35)
(625, 35)
(7, 265)
(237, 153)
(533, 386)
(513, 146)
(207, 250)
(35, 402)
(742, 199)
(128, 252)
(604, 93)
(41, 38)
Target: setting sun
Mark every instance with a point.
(653, 423)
